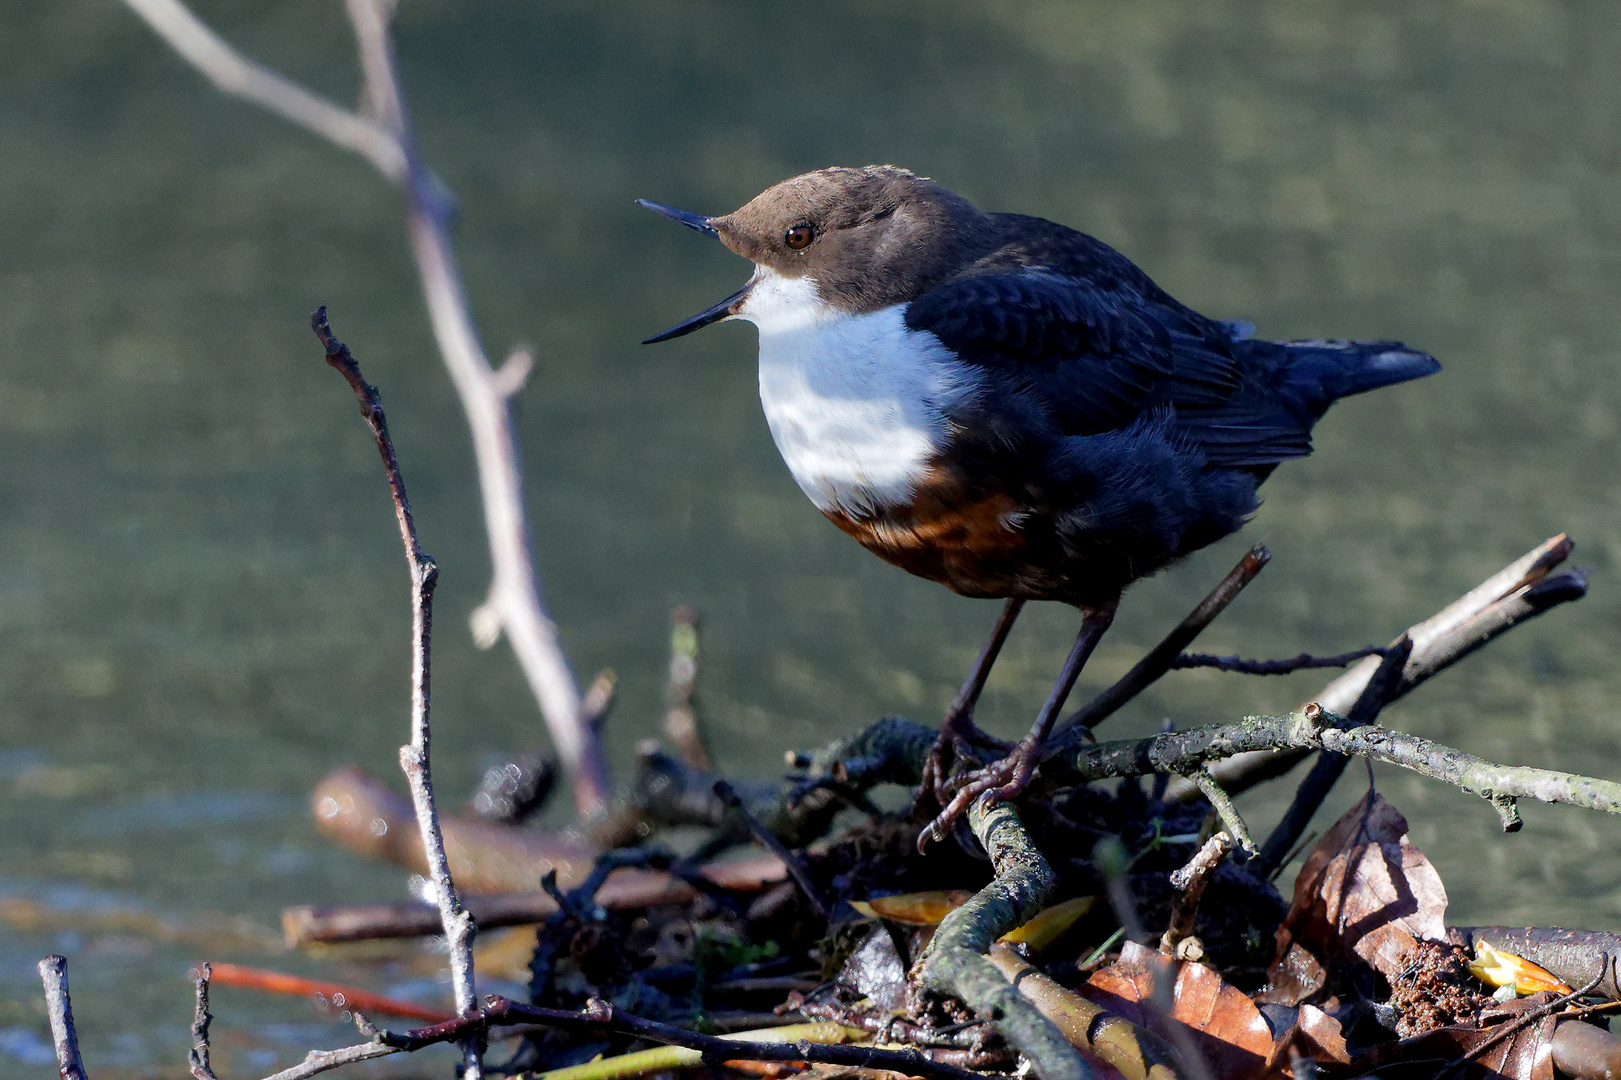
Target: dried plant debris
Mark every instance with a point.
(1364, 899)
(1436, 989)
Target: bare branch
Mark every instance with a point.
(1520, 591)
(53, 971)
(414, 756)
(235, 74)
(515, 607)
(320, 1061)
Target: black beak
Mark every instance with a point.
(715, 314)
(720, 311)
(691, 221)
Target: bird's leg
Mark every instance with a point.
(958, 730)
(1007, 778)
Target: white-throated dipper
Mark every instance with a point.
(1009, 407)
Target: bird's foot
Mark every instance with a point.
(958, 737)
(1001, 780)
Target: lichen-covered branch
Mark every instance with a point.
(955, 961)
(1515, 594)
(1184, 753)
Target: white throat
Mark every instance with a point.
(857, 404)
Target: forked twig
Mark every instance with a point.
(1520, 591)
(414, 756)
(1517, 1025)
(384, 136)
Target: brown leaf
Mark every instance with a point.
(1316, 1036)
(1365, 894)
(1224, 1023)
(1525, 1055)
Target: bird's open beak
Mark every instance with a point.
(723, 310)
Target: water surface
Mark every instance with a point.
(202, 600)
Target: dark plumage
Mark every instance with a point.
(1010, 407)
(1129, 428)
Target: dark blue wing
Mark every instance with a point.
(1101, 353)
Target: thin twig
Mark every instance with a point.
(235, 74)
(1520, 591)
(53, 972)
(603, 1016)
(1162, 656)
(1380, 690)
(458, 924)
(680, 717)
(1517, 1025)
(197, 1059)
(1225, 810)
(514, 605)
(320, 1061)
(1302, 662)
(768, 840)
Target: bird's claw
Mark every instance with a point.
(1000, 781)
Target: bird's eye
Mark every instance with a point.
(799, 237)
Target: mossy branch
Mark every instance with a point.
(956, 963)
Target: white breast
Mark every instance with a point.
(857, 404)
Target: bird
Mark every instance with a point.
(1009, 407)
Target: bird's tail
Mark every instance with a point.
(1318, 373)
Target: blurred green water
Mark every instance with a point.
(202, 602)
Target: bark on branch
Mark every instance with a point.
(457, 923)
(53, 972)
(956, 960)
(1184, 753)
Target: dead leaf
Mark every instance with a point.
(1365, 894)
(1050, 924)
(1314, 1035)
(1224, 1023)
(914, 909)
(1525, 1055)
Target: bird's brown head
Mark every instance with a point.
(867, 238)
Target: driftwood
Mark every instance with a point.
(626, 889)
